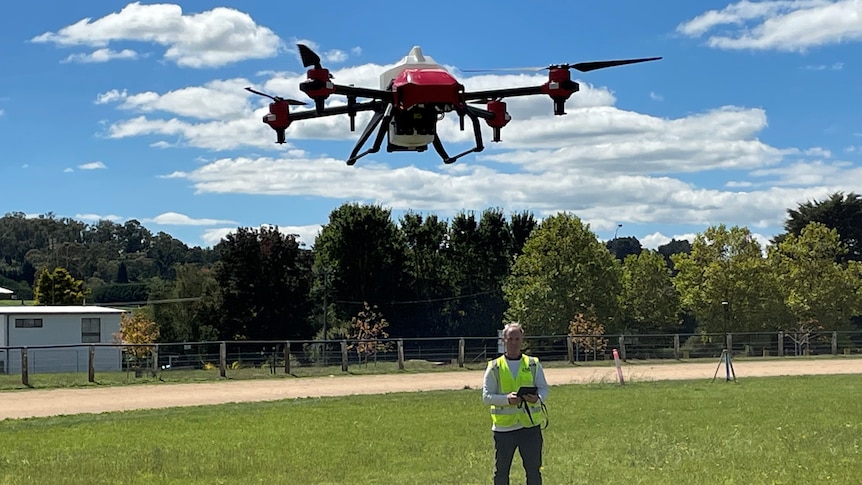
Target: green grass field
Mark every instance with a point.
(757, 431)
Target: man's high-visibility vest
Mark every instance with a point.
(510, 414)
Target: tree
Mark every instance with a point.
(621, 247)
(364, 253)
(649, 302)
(59, 288)
(588, 334)
(726, 283)
(263, 285)
(481, 254)
(368, 327)
(842, 212)
(122, 273)
(563, 271)
(675, 246)
(521, 226)
(817, 289)
(427, 275)
(137, 328)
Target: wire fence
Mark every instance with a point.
(73, 364)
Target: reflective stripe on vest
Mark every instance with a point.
(510, 414)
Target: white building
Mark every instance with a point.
(74, 327)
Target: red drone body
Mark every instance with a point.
(413, 97)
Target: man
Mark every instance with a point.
(516, 420)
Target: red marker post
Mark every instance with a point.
(619, 368)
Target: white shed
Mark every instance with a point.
(28, 326)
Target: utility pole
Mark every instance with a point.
(325, 273)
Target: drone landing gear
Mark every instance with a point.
(438, 145)
(379, 118)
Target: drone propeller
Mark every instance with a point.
(580, 66)
(308, 56)
(291, 102)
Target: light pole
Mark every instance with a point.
(614, 241)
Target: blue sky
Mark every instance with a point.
(115, 110)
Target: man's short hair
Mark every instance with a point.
(512, 326)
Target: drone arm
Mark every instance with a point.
(363, 92)
(504, 93)
(336, 110)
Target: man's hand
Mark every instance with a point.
(531, 398)
(513, 398)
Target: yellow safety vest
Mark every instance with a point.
(510, 414)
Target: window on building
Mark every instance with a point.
(91, 330)
(28, 323)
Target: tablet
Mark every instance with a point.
(528, 390)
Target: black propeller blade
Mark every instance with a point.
(580, 66)
(291, 102)
(592, 66)
(309, 58)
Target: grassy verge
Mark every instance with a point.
(761, 430)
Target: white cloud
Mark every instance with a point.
(68, 170)
(305, 234)
(101, 55)
(335, 55)
(92, 166)
(655, 97)
(785, 25)
(215, 100)
(656, 239)
(177, 219)
(837, 66)
(211, 237)
(96, 217)
(2, 112)
(208, 39)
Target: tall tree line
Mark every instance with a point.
(462, 277)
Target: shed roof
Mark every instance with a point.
(55, 310)
(5, 291)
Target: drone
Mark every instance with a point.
(413, 96)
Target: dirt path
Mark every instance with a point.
(36, 403)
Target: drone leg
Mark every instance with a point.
(438, 145)
(477, 130)
(383, 119)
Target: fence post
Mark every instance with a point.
(676, 346)
(155, 353)
(91, 364)
(344, 356)
(834, 343)
(570, 352)
(781, 344)
(623, 347)
(222, 359)
(287, 357)
(25, 371)
(400, 354)
(461, 352)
